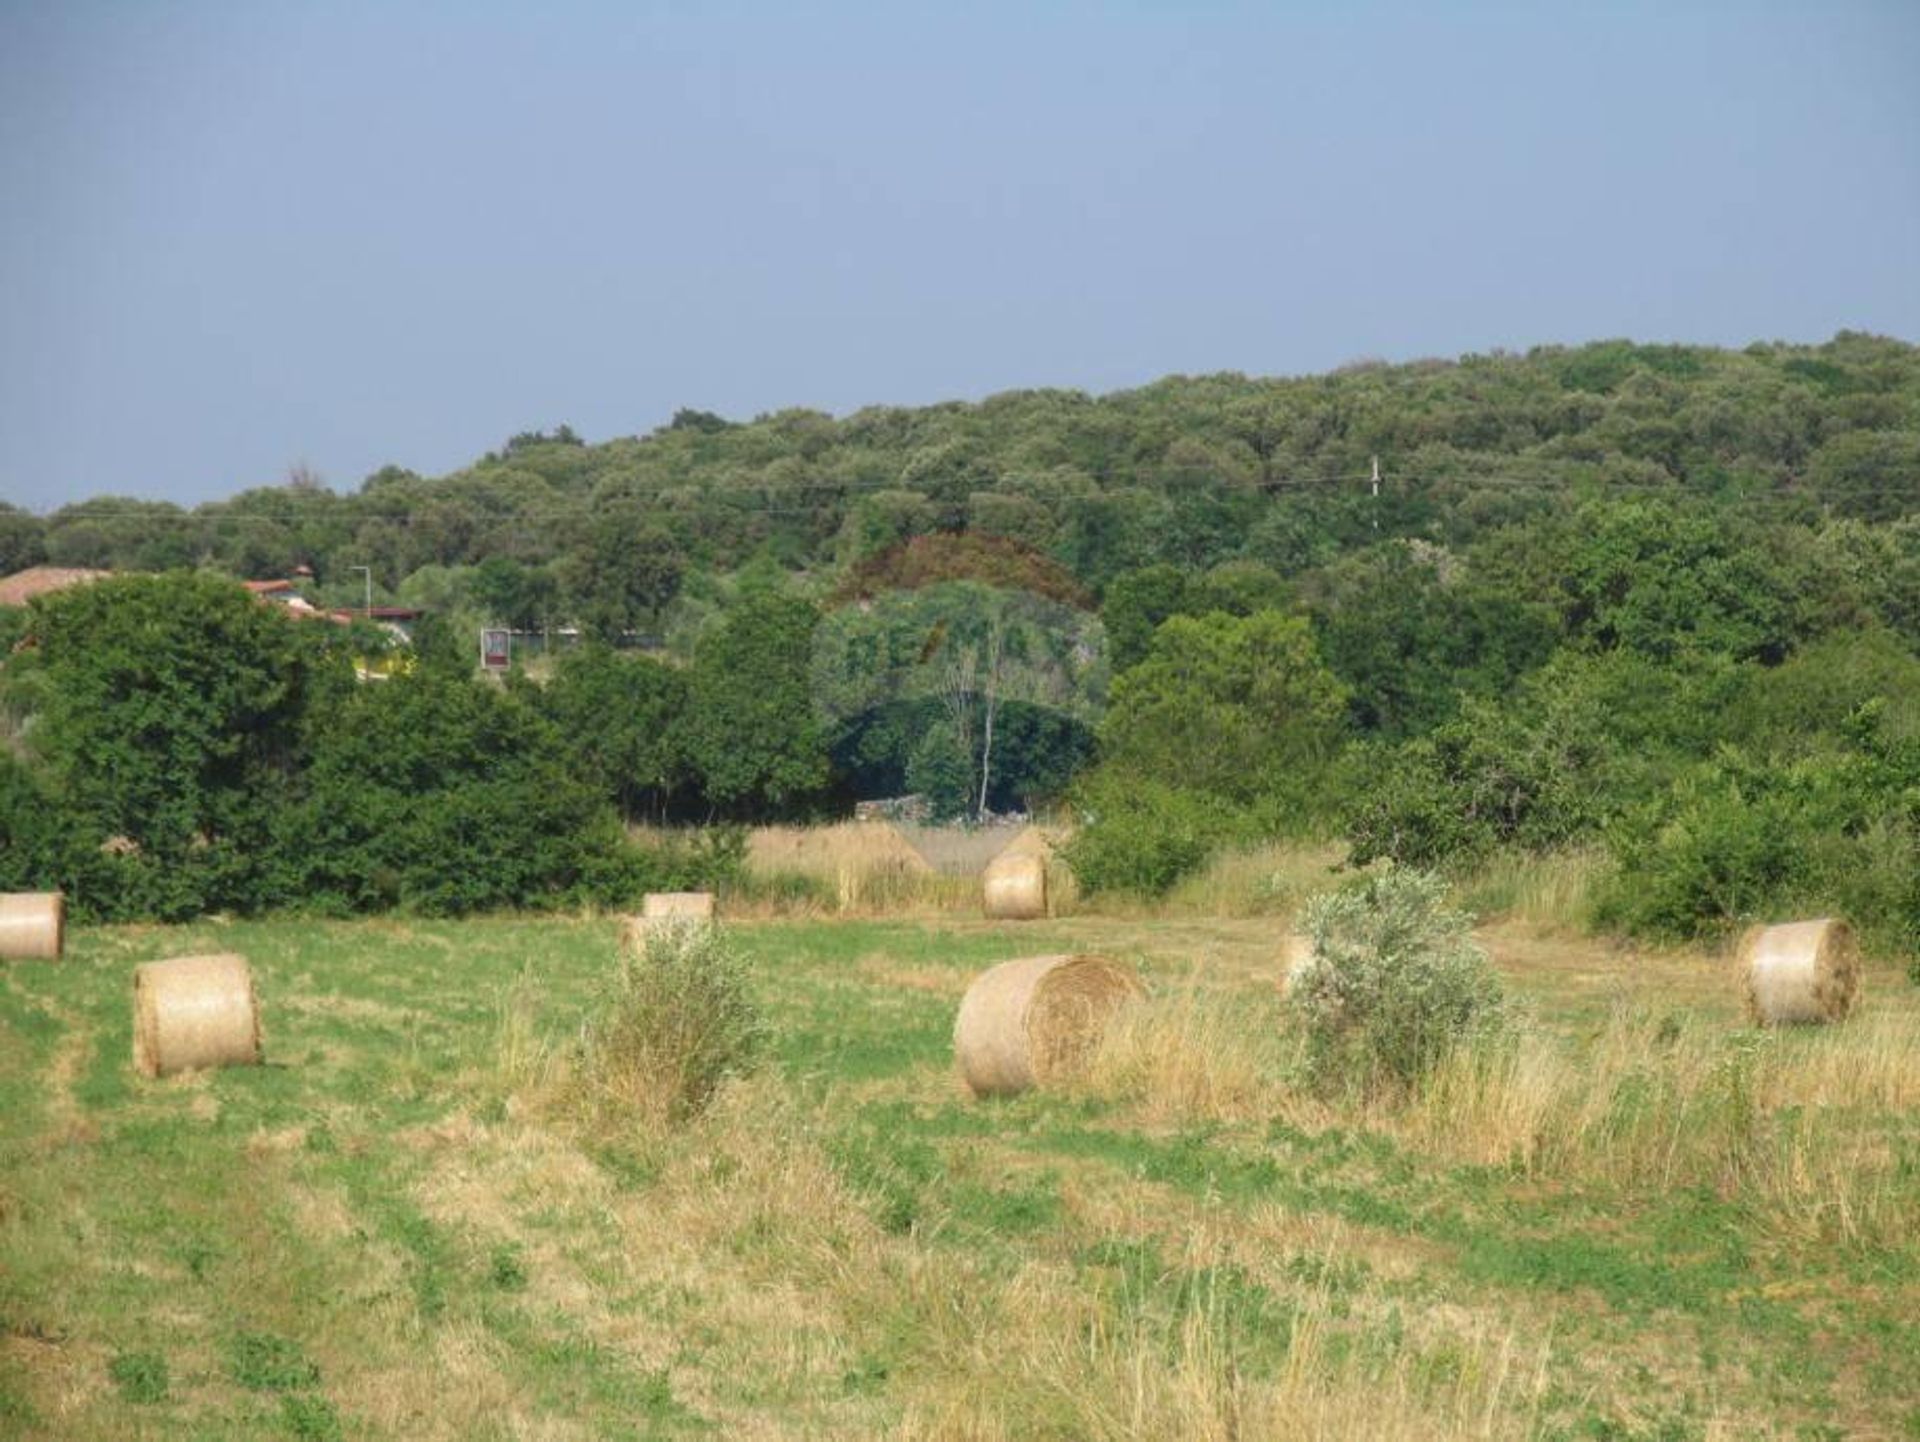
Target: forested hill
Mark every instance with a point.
(1663, 601)
(1193, 471)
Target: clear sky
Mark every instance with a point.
(237, 236)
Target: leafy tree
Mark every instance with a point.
(21, 543)
(1744, 837)
(1660, 581)
(1135, 604)
(886, 519)
(1583, 739)
(170, 712)
(752, 736)
(1140, 835)
(443, 794)
(941, 770)
(1241, 708)
(1874, 474)
(514, 594)
(620, 718)
(624, 575)
(1410, 640)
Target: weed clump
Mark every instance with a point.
(262, 1362)
(140, 1376)
(1396, 983)
(678, 1021)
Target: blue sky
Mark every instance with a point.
(234, 237)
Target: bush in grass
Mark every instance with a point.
(679, 1020)
(1396, 984)
(310, 1418)
(262, 1362)
(1143, 836)
(1745, 838)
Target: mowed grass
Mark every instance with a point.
(1638, 1220)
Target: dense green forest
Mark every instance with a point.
(1658, 600)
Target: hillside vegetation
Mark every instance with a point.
(1657, 601)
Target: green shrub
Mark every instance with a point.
(1714, 852)
(1582, 740)
(1743, 838)
(1397, 982)
(678, 1021)
(311, 1419)
(262, 1362)
(1142, 836)
(442, 795)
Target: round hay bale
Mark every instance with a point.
(1030, 1022)
(194, 1011)
(1296, 955)
(1800, 971)
(1015, 887)
(33, 925)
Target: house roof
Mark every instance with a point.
(22, 586)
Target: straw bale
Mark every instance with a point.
(1015, 887)
(1800, 971)
(194, 1011)
(1034, 1021)
(33, 924)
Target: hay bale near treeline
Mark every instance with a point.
(1014, 887)
(1034, 1021)
(1800, 972)
(667, 908)
(33, 925)
(194, 1011)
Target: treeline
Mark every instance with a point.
(1193, 472)
(1658, 601)
(180, 747)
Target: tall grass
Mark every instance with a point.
(874, 868)
(1195, 1055)
(1786, 1123)
(1557, 890)
(1793, 1127)
(849, 869)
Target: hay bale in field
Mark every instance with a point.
(1015, 887)
(667, 908)
(33, 925)
(1800, 971)
(680, 905)
(194, 1011)
(1296, 955)
(1029, 1022)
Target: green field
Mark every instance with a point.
(1641, 1221)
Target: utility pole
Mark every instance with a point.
(366, 571)
(1376, 493)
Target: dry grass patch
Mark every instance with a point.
(1194, 1055)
